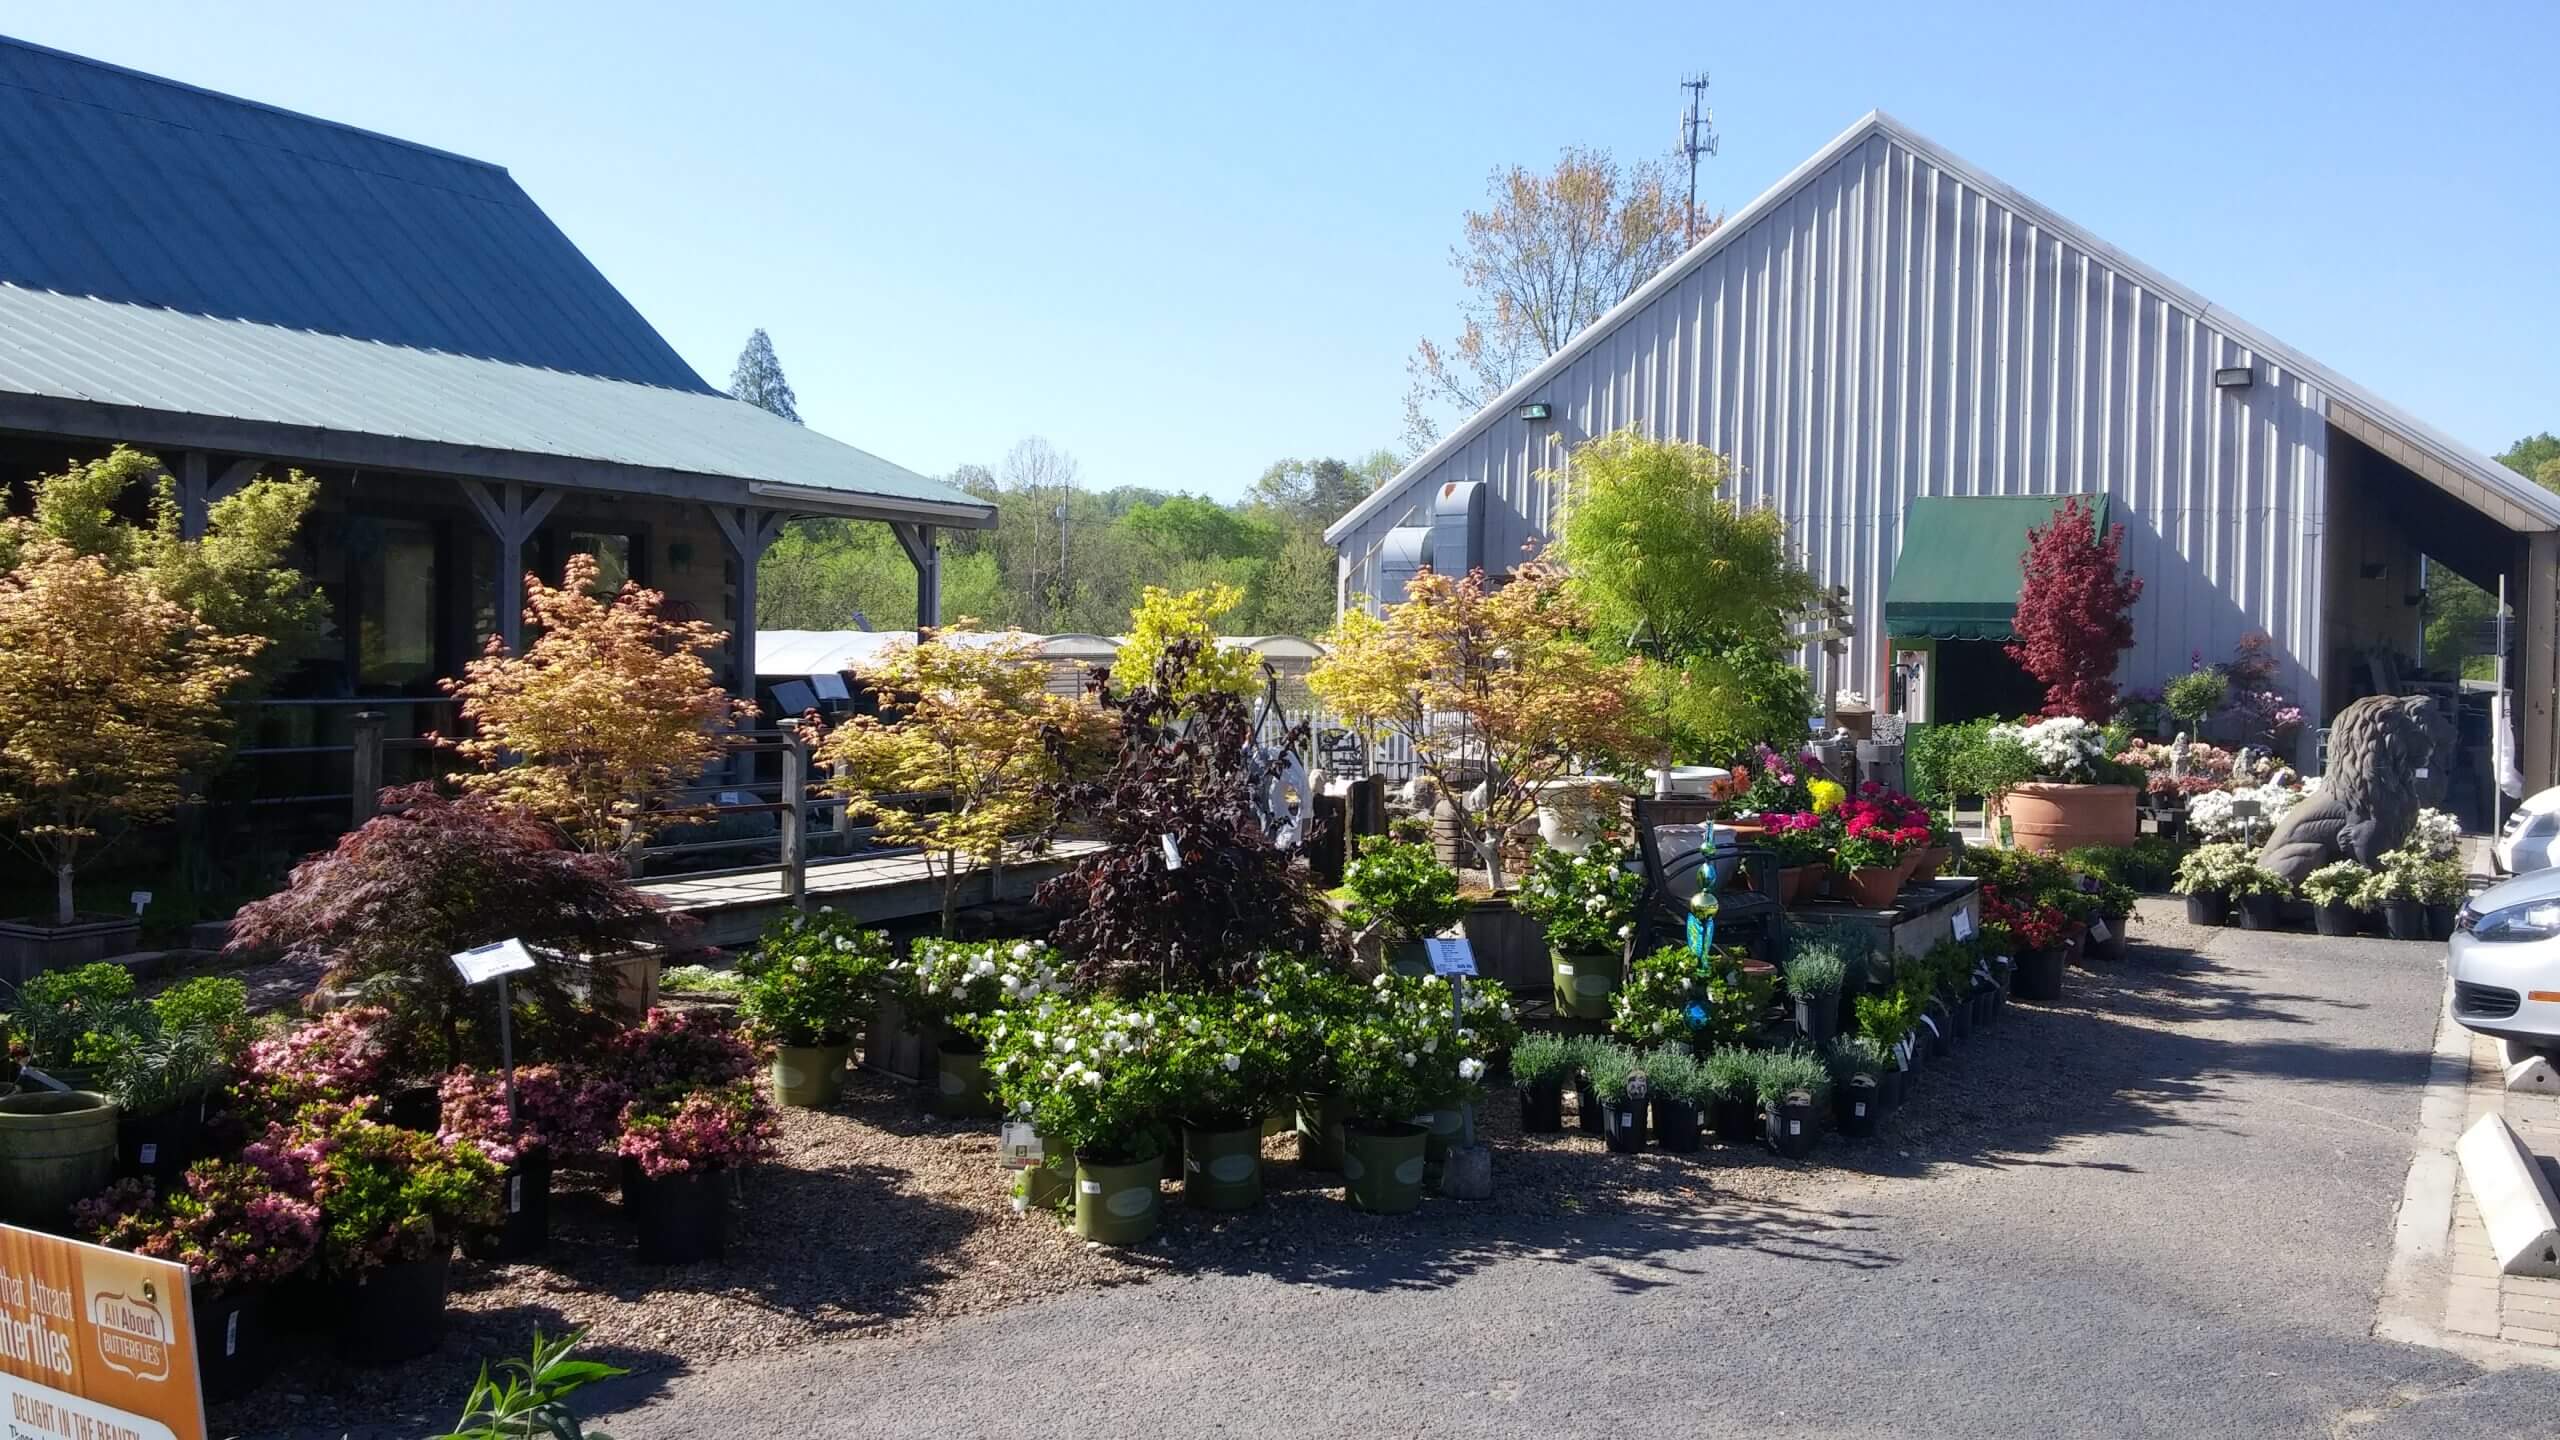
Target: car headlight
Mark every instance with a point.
(2539, 920)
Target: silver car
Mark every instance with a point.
(2505, 961)
(2530, 840)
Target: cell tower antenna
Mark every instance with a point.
(1697, 138)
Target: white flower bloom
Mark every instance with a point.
(1022, 951)
(1470, 1069)
(1230, 1063)
(1430, 1043)
(1408, 1058)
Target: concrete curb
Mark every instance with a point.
(2516, 1203)
(2413, 1284)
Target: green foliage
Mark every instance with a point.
(388, 1194)
(179, 1047)
(2410, 874)
(1816, 966)
(1673, 1071)
(1587, 902)
(1736, 1001)
(1163, 618)
(2148, 864)
(947, 981)
(757, 379)
(1611, 1068)
(2216, 868)
(2254, 880)
(813, 979)
(75, 1018)
(1885, 1017)
(2339, 882)
(1227, 1057)
(1404, 1050)
(1730, 1072)
(2194, 696)
(1984, 760)
(1542, 1056)
(1088, 1074)
(701, 980)
(1402, 889)
(529, 1399)
(1853, 1055)
(1653, 1003)
(1781, 1073)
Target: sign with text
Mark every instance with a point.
(488, 962)
(1451, 955)
(1964, 924)
(95, 1344)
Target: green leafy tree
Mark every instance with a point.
(1672, 570)
(758, 379)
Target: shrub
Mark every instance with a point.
(386, 909)
(813, 980)
(1674, 1071)
(229, 1225)
(1816, 968)
(2194, 696)
(341, 1057)
(2074, 616)
(1886, 1017)
(2214, 869)
(1781, 1073)
(1226, 1057)
(673, 1051)
(561, 1110)
(2148, 864)
(1731, 1073)
(1587, 902)
(945, 982)
(1163, 618)
(2337, 883)
(701, 980)
(2434, 835)
(1406, 1051)
(385, 1195)
(1851, 1056)
(75, 1018)
(1736, 1001)
(1541, 1057)
(2255, 880)
(1088, 1074)
(1400, 889)
(722, 1127)
(1611, 1068)
(1660, 999)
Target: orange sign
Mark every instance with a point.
(95, 1344)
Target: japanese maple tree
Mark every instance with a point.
(1491, 686)
(612, 706)
(2075, 612)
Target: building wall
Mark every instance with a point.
(1888, 329)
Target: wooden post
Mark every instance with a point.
(2537, 700)
(365, 767)
(843, 824)
(512, 512)
(795, 816)
(923, 553)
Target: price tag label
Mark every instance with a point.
(1172, 853)
(150, 1153)
(142, 902)
(1019, 1145)
(1564, 970)
(1795, 1127)
(1638, 1087)
(515, 1194)
(1964, 924)
(1089, 1187)
(2099, 932)
(1451, 955)
(488, 962)
(2422, 772)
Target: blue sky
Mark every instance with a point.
(1181, 242)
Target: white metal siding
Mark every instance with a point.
(1888, 330)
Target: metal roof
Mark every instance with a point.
(2512, 499)
(127, 186)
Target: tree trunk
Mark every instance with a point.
(1662, 777)
(63, 913)
(1490, 850)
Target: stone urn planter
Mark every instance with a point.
(2050, 818)
(1574, 811)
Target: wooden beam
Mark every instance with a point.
(919, 541)
(511, 511)
(2537, 699)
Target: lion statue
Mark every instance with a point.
(2368, 800)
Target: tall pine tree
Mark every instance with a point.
(758, 379)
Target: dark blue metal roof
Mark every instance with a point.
(129, 187)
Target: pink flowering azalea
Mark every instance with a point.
(711, 1129)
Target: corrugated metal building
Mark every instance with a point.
(1888, 324)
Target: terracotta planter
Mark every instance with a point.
(1798, 883)
(1870, 887)
(2049, 819)
(1925, 863)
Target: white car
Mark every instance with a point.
(2531, 839)
(2505, 961)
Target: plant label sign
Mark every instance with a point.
(488, 962)
(1964, 924)
(2099, 932)
(1451, 955)
(100, 1345)
(1172, 852)
(1019, 1146)
(141, 901)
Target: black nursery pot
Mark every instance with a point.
(2261, 912)
(2334, 919)
(1624, 1120)
(2405, 919)
(161, 1146)
(1856, 1107)
(394, 1312)
(1792, 1130)
(524, 1225)
(679, 1219)
(1541, 1106)
(2040, 973)
(2207, 908)
(1587, 1107)
(1817, 1018)
(1957, 1016)
(1737, 1122)
(233, 1352)
(2440, 922)
(414, 1107)
(1677, 1126)
(2111, 948)
(1892, 1088)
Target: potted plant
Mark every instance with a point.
(947, 988)
(1731, 1078)
(1310, 998)
(679, 1151)
(2206, 875)
(2043, 950)
(1466, 1033)
(1399, 892)
(1089, 1075)
(1617, 1078)
(1881, 836)
(70, 1023)
(2074, 796)
(1661, 992)
(2441, 886)
(559, 1111)
(1587, 903)
(1885, 1019)
(1540, 1064)
(183, 1046)
(1794, 1089)
(1857, 1067)
(2195, 697)
(1801, 843)
(2111, 925)
(237, 1234)
(2259, 894)
(2333, 891)
(1816, 972)
(392, 1203)
(1224, 1065)
(813, 980)
(1676, 1084)
(1378, 1055)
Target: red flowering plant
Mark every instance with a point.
(1800, 837)
(230, 1226)
(560, 1110)
(1879, 827)
(1773, 783)
(707, 1129)
(2030, 925)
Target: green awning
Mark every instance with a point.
(1957, 575)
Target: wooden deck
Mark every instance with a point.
(735, 907)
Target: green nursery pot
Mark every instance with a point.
(1584, 983)
(1382, 1166)
(1119, 1204)
(960, 1090)
(1439, 1133)
(1320, 1133)
(1222, 1168)
(1049, 1183)
(809, 1076)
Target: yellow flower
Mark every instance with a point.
(1827, 795)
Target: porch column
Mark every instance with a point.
(513, 511)
(2536, 704)
(198, 492)
(749, 531)
(921, 542)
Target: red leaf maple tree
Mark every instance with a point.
(2075, 612)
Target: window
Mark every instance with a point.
(613, 558)
(392, 565)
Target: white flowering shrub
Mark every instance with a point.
(942, 980)
(2434, 835)
(2064, 747)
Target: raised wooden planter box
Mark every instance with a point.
(1509, 946)
(28, 949)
